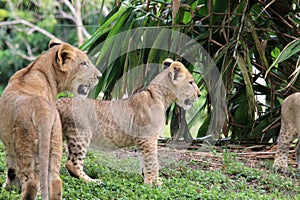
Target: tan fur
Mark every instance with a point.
(30, 127)
(290, 130)
(138, 120)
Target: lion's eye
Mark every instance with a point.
(85, 64)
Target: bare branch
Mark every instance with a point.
(26, 57)
(28, 48)
(76, 12)
(65, 15)
(70, 6)
(105, 11)
(86, 34)
(24, 22)
(79, 24)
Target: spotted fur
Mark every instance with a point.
(138, 120)
(290, 130)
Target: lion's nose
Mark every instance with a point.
(99, 76)
(199, 93)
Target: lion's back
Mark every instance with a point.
(290, 111)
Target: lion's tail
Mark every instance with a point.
(50, 152)
(44, 154)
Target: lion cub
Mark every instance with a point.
(30, 127)
(290, 130)
(138, 120)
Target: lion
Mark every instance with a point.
(290, 130)
(30, 126)
(137, 120)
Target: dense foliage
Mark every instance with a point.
(254, 45)
(27, 26)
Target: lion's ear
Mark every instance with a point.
(54, 42)
(167, 62)
(177, 72)
(64, 55)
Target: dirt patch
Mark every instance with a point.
(212, 157)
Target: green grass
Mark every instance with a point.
(186, 179)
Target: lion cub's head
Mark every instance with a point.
(75, 71)
(183, 85)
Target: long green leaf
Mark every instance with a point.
(289, 50)
(107, 46)
(203, 130)
(104, 26)
(248, 83)
(157, 45)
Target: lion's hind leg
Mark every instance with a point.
(286, 136)
(12, 179)
(26, 149)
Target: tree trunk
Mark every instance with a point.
(79, 24)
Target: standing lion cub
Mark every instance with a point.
(30, 127)
(138, 120)
(290, 130)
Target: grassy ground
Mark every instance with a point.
(186, 175)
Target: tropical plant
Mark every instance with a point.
(254, 45)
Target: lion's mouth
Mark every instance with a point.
(83, 90)
(188, 102)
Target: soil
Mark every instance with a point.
(212, 157)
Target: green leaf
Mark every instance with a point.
(105, 25)
(289, 50)
(187, 17)
(248, 83)
(159, 42)
(204, 127)
(197, 115)
(122, 24)
(275, 52)
(3, 14)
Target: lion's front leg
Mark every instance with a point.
(285, 137)
(77, 147)
(148, 149)
(297, 153)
